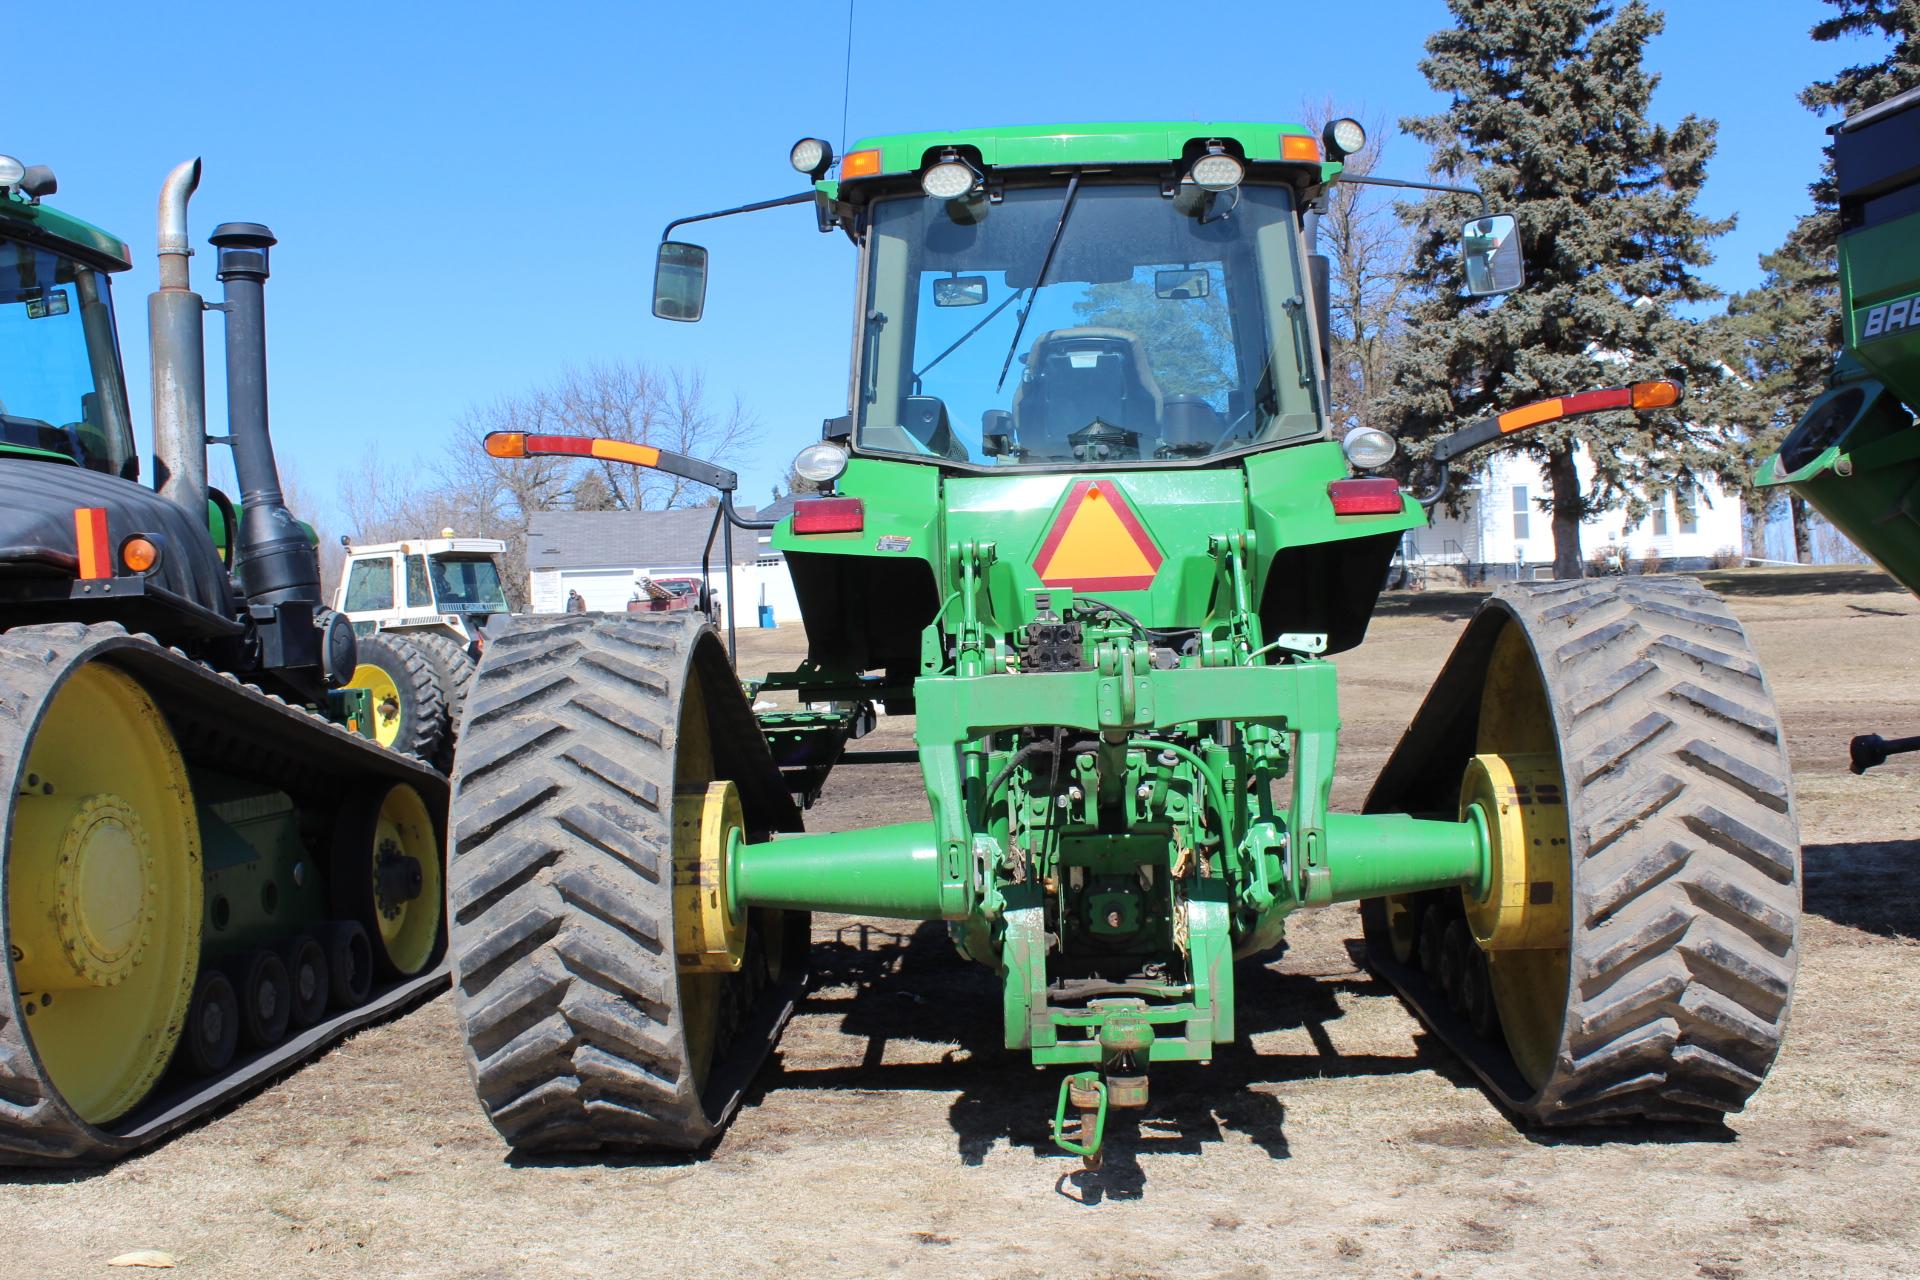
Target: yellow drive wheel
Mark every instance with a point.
(103, 882)
(384, 693)
(1523, 924)
(409, 707)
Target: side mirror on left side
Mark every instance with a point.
(1490, 250)
(679, 281)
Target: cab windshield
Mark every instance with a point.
(1120, 324)
(60, 386)
(462, 585)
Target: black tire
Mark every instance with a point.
(307, 979)
(1685, 848)
(265, 995)
(561, 883)
(213, 1025)
(453, 668)
(349, 963)
(416, 723)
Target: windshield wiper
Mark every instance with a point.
(926, 368)
(1066, 207)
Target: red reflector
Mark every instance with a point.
(90, 542)
(829, 515)
(1371, 496)
(582, 445)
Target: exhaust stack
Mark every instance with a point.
(178, 345)
(276, 558)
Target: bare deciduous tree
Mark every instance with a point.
(1369, 249)
(479, 496)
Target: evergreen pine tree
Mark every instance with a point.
(1549, 117)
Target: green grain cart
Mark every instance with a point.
(210, 871)
(1856, 453)
(1086, 520)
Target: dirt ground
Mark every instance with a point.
(892, 1131)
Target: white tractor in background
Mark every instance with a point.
(420, 609)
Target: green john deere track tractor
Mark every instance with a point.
(1086, 521)
(1856, 453)
(210, 870)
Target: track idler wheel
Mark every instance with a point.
(265, 992)
(608, 990)
(213, 1025)
(1634, 951)
(349, 956)
(307, 980)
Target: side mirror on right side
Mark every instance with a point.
(679, 281)
(1490, 250)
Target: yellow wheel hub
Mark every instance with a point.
(385, 695)
(407, 890)
(706, 826)
(1525, 817)
(103, 892)
(1525, 922)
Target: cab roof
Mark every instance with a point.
(1124, 142)
(64, 233)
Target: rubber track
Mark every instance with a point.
(426, 727)
(36, 1125)
(1685, 845)
(453, 669)
(561, 882)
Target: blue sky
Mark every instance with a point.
(467, 197)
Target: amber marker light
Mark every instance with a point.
(1660, 394)
(506, 444)
(139, 554)
(1299, 147)
(860, 164)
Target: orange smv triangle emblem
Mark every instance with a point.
(1097, 543)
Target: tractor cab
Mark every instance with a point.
(62, 396)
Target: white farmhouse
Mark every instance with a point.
(603, 554)
(1499, 529)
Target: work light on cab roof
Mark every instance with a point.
(31, 180)
(1217, 170)
(950, 178)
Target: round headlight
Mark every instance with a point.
(1369, 448)
(949, 180)
(1217, 171)
(820, 463)
(811, 156)
(11, 171)
(1345, 136)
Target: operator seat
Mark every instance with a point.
(1074, 376)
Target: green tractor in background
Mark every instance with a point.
(1087, 522)
(210, 871)
(1855, 456)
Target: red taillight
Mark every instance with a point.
(1368, 496)
(829, 515)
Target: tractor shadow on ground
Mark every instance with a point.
(1867, 885)
(909, 991)
(1799, 582)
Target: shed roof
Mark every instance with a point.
(630, 539)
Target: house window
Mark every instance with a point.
(1660, 519)
(1521, 512)
(1685, 505)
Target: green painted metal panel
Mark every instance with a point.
(62, 231)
